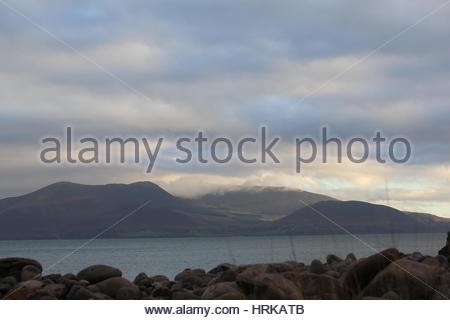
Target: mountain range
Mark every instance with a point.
(67, 210)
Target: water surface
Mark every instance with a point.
(170, 256)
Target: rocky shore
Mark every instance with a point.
(389, 274)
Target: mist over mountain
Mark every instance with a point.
(270, 202)
(68, 210)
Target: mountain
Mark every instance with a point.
(336, 217)
(69, 210)
(267, 202)
(433, 222)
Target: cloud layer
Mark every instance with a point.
(174, 67)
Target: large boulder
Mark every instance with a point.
(222, 268)
(30, 272)
(111, 286)
(317, 287)
(192, 278)
(271, 286)
(56, 290)
(13, 267)
(445, 251)
(99, 272)
(247, 276)
(143, 280)
(279, 267)
(317, 267)
(128, 293)
(81, 293)
(7, 284)
(362, 272)
(223, 291)
(24, 290)
(409, 279)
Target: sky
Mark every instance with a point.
(172, 68)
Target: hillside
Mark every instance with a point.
(267, 202)
(335, 217)
(67, 210)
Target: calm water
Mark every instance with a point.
(170, 256)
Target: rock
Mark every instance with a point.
(56, 290)
(445, 251)
(7, 284)
(24, 290)
(111, 286)
(433, 262)
(331, 259)
(391, 295)
(84, 283)
(128, 293)
(339, 267)
(272, 286)
(223, 291)
(350, 258)
(317, 287)
(184, 295)
(222, 268)
(142, 280)
(316, 267)
(415, 256)
(81, 293)
(20, 293)
(162, 292)
(199, 291)
(30, 272)
(410, 279)
(443, 261)
(70, 276)
(279, 267)
(246, 279)
(159, 279)
(333, 274)
(31, 284)
(227, 276)
(13, 267)
(53, 278)
(97, 273)
(361, 273)
(189, 272)
(190, 279)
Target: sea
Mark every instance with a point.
(169, 256)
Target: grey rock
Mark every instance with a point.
(111, 286)
(30, 272)
(128, 293)
(223, 291)
(97, 273)
(317, 267)
(13, 267)
(331, 259)
(81, 293)
(350, 258)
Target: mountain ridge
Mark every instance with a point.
(70, 210)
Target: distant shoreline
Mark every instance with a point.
(229, 236)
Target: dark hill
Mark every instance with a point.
(354, 216)
(69, 210)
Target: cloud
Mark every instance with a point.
(227, 68)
